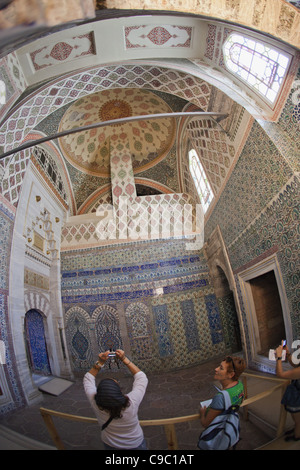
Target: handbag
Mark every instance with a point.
(291, 397)
(224, 431)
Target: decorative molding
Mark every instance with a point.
(159, 36)
(70, 48)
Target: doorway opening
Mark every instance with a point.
(266, 308)
(269, 312)
(36, 343)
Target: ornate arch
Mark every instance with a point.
(36, 301)
(78, 337)
(107, 328)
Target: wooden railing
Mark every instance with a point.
(169, 423)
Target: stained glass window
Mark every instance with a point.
(263, 67)
(200, 179)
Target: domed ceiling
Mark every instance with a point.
(148, 142)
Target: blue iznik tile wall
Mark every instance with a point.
(153, 297)
(258, 211)
(276, 230)
(11, 394)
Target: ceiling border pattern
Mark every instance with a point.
(64, 91)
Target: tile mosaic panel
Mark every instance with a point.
(162, 329)
(182, 356)
(275, 229)
(190, 325)
(16, 398)
(78, 339)
(214, 318)
(289, 120)
(107, 329)
(114, 279)
(159, 293)
(13, 81)
(138, 253)
(16, 74)
(137, 318)
(6, 227)
(231, 329)
(249, 190)
(141, 349)
(11, 183)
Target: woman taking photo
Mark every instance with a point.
(291, 397)
(117, 413)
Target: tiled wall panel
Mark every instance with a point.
(163, 303)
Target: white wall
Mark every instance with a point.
(39, 216)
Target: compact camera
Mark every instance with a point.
(112, 354)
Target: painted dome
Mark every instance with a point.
(147, 142)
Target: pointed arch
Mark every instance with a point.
(107, 328)
(78, 338)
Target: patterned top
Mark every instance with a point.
(236, 394)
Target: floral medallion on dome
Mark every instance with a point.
(146, 141)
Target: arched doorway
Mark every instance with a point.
(36, 343)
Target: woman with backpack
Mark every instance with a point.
(222, 412)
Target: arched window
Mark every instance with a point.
(200, 179)
(262, 66)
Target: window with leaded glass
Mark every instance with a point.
(200, 180)
(261, 65)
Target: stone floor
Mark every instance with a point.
(168, 395)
